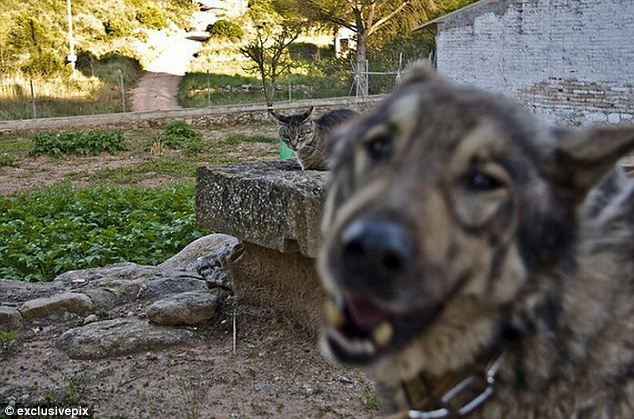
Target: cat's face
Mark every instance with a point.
(295, 130)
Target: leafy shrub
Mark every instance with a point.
(179, 135)
(8, 161)
(151, 17)
(225, 29)
(47, 232)
(82, 143)
(26, 33)
(44, 64)
(116, 28)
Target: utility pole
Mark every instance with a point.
(72, 58)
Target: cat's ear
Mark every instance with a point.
(308, 113)
(280, 118)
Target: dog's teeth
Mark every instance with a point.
(361, 347)
(333, 314)
(383, 333)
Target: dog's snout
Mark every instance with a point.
(375, 248)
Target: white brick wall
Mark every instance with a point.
(570, 61)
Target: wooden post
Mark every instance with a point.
(33, 110)
(122, 91)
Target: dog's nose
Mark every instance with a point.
(376, 249)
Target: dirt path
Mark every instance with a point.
(159, 85)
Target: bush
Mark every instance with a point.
(116, 28)
(151, 17)
(26, 33)
(179, 135)
(225, 29)
(48, 232)
(45, 64)
(89, 142)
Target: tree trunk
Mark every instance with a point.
(361, 67)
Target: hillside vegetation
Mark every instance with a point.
(110, 36)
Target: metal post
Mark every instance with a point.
(290, 98)
(208, 90)
(122, 91)
(33, 110)
(72, 58)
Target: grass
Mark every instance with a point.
(238, 138)
(8, 161)
(9, 340)
(369, 401)
(95, 92)
(227, 90)
(46, 232)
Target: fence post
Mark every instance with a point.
(122, 90)
(290, 98)
(208, 90)
(33, 110)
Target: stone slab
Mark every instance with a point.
(68, 301)
(275, 205)
(119, 337)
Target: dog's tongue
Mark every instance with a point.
(364, 313)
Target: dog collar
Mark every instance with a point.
(453, 396)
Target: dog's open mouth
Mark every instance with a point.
(360, 331)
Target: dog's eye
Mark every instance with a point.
(379, 147)
(480, 181)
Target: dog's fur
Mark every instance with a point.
(496, 233)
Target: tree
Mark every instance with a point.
(364, 17)
(269, 52)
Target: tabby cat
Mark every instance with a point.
(307, 136)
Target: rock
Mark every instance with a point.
(10, 318)
(213, 267)
(188, 308)
(119, 337)
(67, 301)
(186, 259)
(171, 285)
(13, 291)
(274, 205)
(101, 298)
(125, 271)
(90, 319)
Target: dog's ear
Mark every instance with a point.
(280, 118)
(581, 157)
(421, 71)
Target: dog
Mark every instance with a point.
(479, 262)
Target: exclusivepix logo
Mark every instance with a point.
(38, 411)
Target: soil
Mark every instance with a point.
(158, 86)
(42, 171)
(276, 371)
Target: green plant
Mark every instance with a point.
(44, 233)
(8, 161)
(151, 17)
(179, 135)
(369, 401)
(82, 143)
(116, 27)
(225, 29)
(8, 340)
